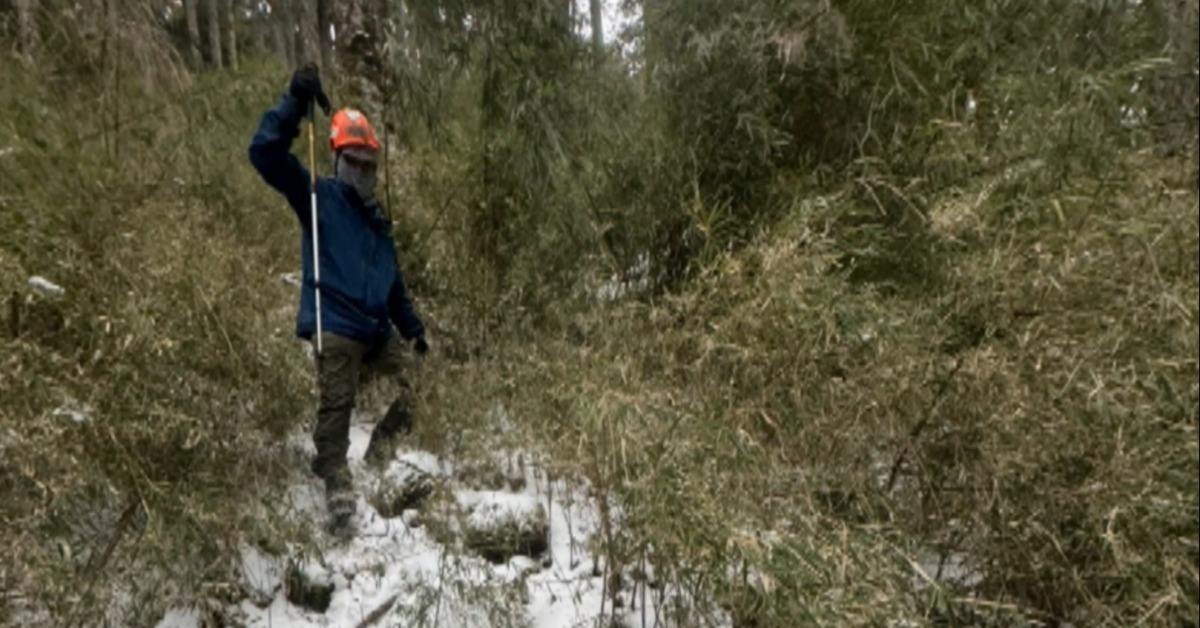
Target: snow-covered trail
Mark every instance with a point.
(393, 572)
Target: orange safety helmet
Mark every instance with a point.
(351, 129)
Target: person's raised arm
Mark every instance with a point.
(270, 150)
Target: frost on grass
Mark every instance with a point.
(402, 487)
(502, 525)
(309, 585)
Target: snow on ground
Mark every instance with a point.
(393, 572)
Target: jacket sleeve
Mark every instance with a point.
(270, 153)
(400, 310)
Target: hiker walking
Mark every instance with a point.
(353, 292)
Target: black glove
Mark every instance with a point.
(306, 87)
(421, 347)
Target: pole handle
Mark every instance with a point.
(316, 238)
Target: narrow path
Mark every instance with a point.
(396, 571)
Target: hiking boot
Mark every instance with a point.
(380, 450)
(382, 447)
(339, 499)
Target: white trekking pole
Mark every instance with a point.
(316, 252)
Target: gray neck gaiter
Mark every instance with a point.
(363, 181)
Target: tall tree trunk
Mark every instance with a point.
(112, 65)
(597, 30)
(193, 32)
(312, 22)
(27, 32)
(325, 35)
(1175, 89)
(214, 33)
(276, 24)
(303, 35)
(564, 16)
(264, 32)
(287, 29)
(652, 19)
(231, 24)
(359, 51)
(486, 225)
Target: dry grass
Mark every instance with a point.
(141, 411)
(792, 444)
(794, 437)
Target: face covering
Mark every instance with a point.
(353, 170)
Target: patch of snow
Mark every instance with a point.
(70, 409)
(262, 575)
(74, 415)
(1133, 117)
(180, 618)
(954, 568)
(402, 471)
(426, 463)
(486, 508)
(393, 573)
(45, 286)
(291, 279)
(634, 281)
(360, 435)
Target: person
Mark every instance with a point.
(362, 291)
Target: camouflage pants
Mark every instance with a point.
(342, 368)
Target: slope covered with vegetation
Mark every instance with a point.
(821, 299)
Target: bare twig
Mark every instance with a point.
(374, 616)
(938, 396)
(14, 314)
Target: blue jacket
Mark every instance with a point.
(362, 289)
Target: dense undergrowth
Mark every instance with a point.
(1031, 411)
(142, 410)
(912, 337)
